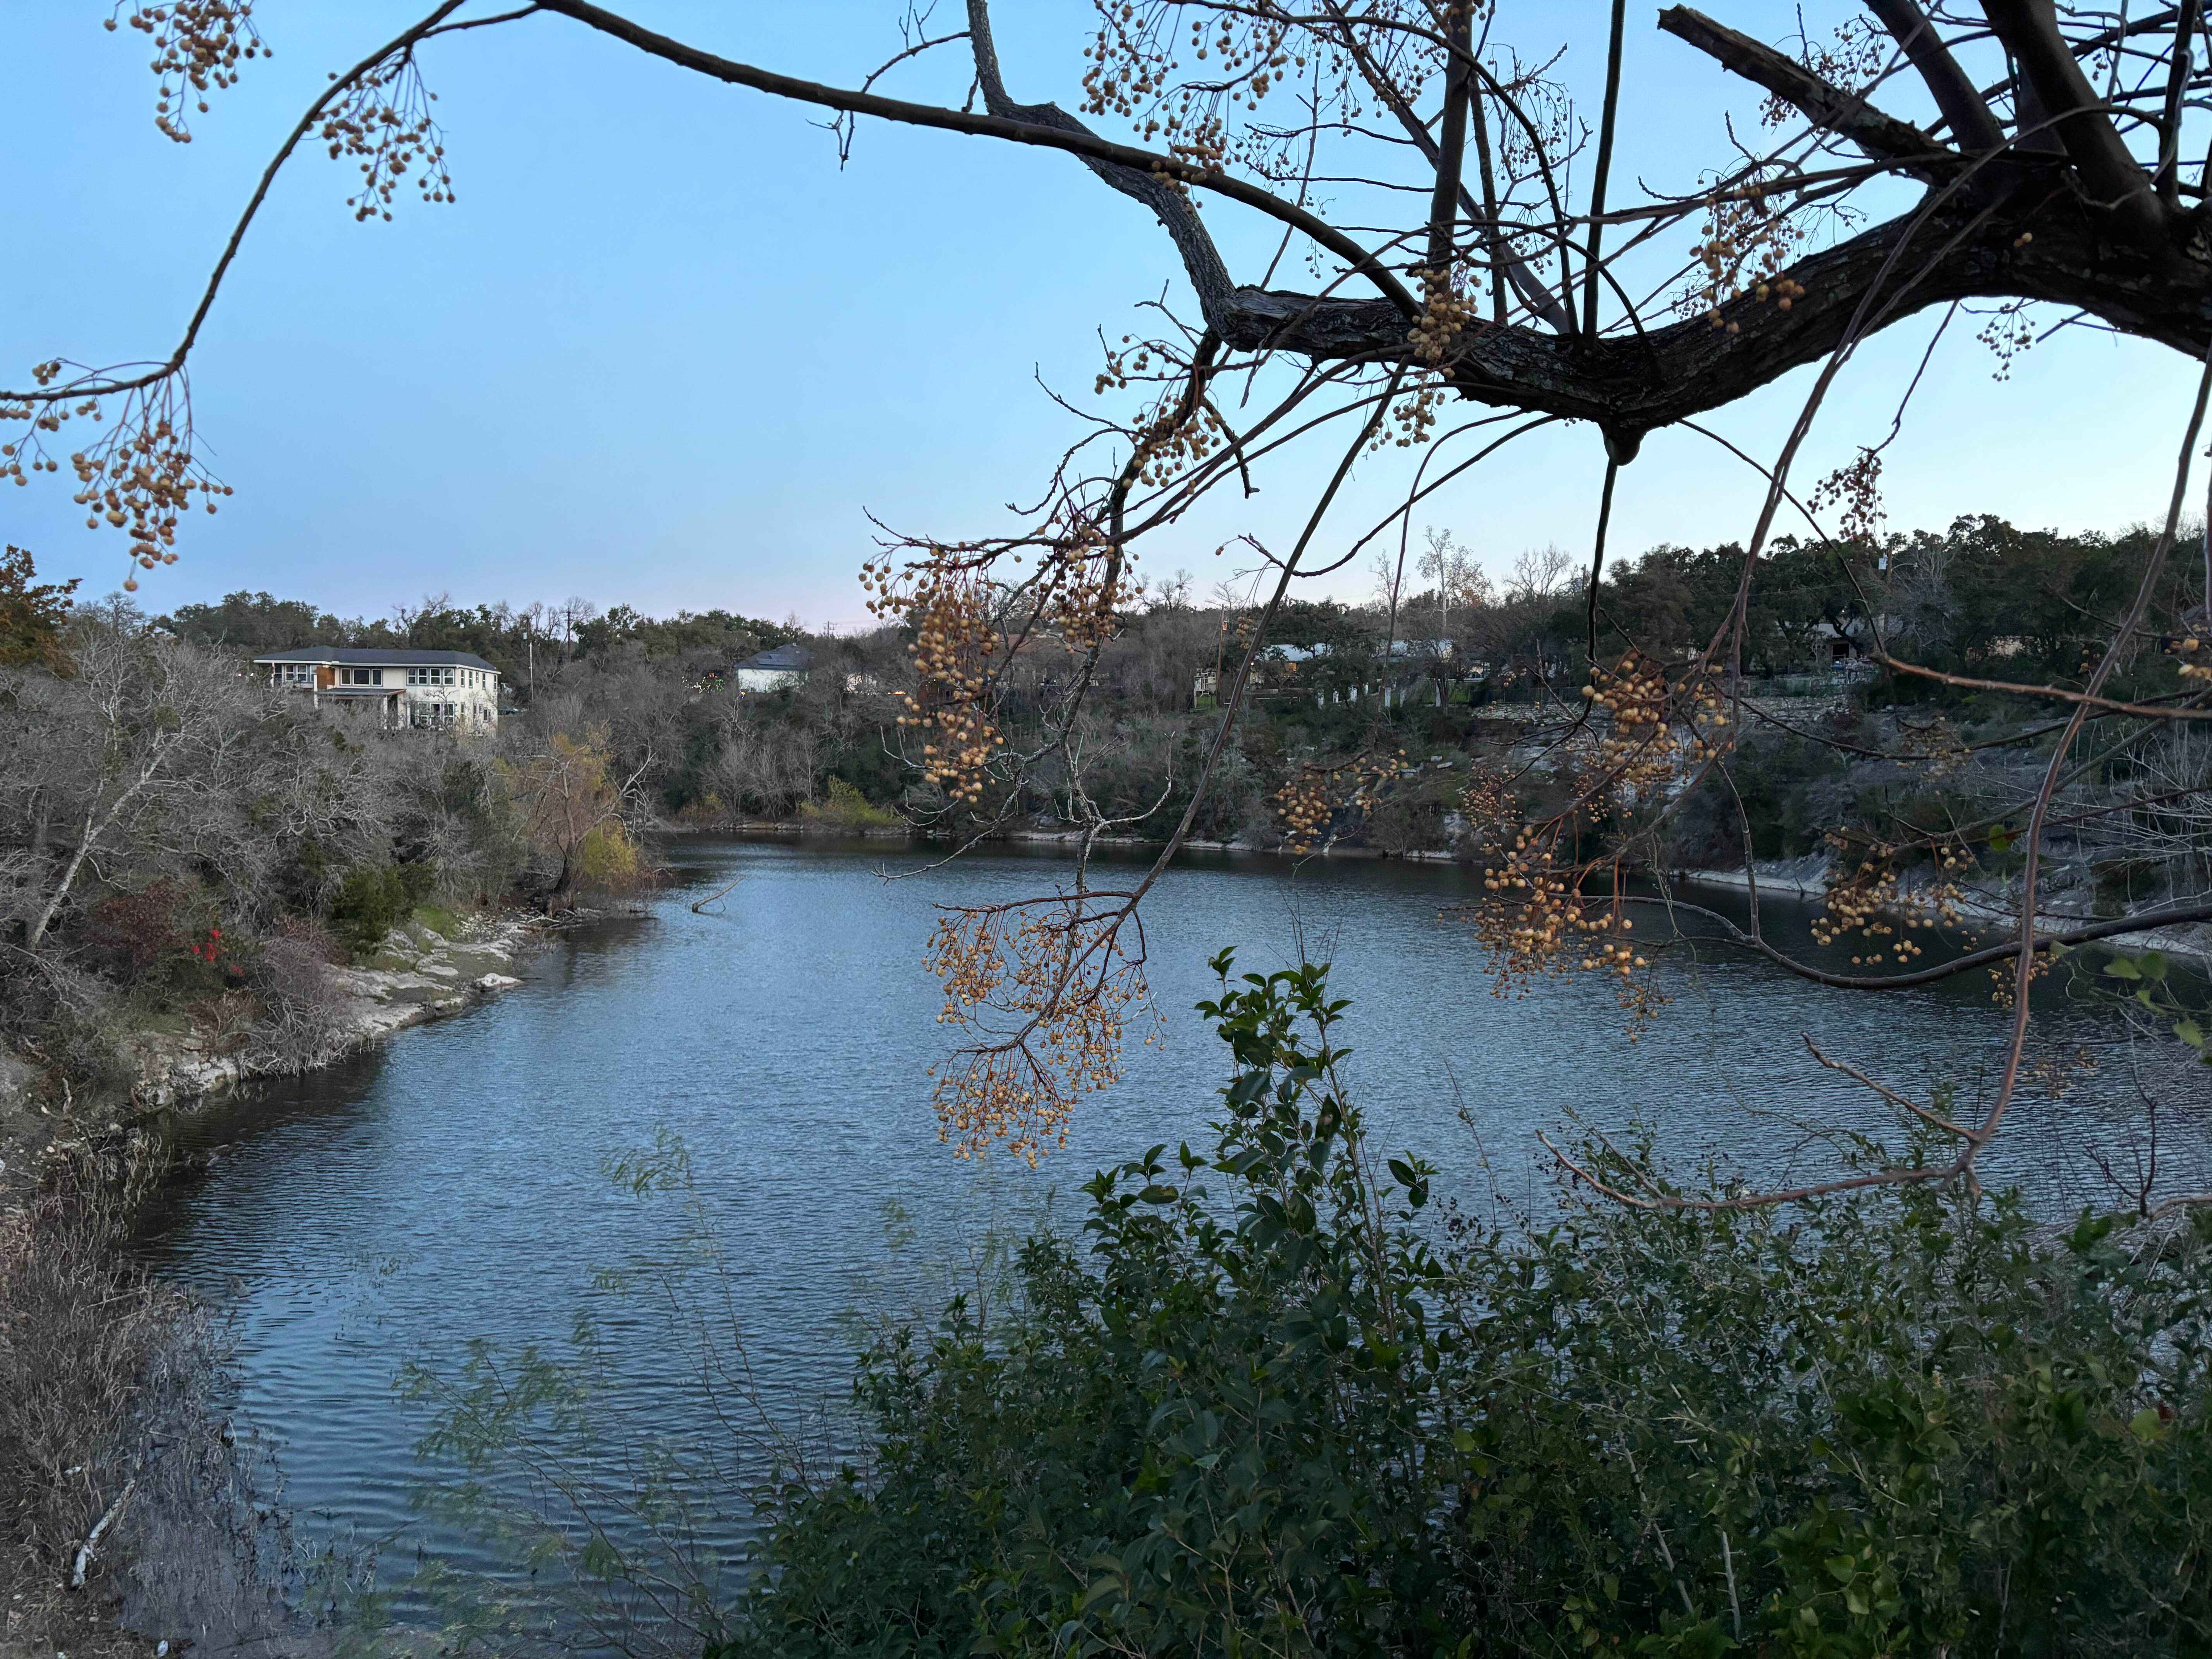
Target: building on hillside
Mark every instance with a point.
(773, 670)
(447, 691)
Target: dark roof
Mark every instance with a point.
(356, 657)
(787, 659)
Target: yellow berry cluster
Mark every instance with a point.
(1856, 487)
(1872, 900)
(197, 47)
(2004, 976)
(1656, 726)
(1132, 71)
(1309, 800)
(2009, 331)
(1537, 923)
(140, 474)
(1043, 992)
(385, 119)
(1748, 245)
(948, 603)
(1488, 804)
(1445, 313)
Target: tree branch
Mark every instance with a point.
(1202, 260)
(2029, 29)
(1538, 297)
(1632, 387)
(338, 85)
(1607, 120)
(1974, 128)
(1080, 141)
(1882, 136)
(1451, 146)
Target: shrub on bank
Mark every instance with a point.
(374, 899)
(1266, 1405)
(846, 809)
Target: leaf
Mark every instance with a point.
(2121, 967)
(1844, 1567)
(2191, 1033)
(2001, 838)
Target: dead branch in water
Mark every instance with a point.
(701, 907)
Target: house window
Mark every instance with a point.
(297, 673)
(361, 677)
(429, 677)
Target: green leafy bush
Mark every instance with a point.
(374, 899)
(1272, 1403)
(847, 809)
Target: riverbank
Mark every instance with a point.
(416, 974)
(1807, 879)
(132, 1516)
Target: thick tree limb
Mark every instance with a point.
(2029, 29)
(1884, 138)
(1607, 121)
(1451, 147)
(1631, 385)
(1974, 128)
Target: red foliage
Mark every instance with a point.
(132, 933)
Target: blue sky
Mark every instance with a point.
(663, 351)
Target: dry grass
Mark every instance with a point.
(111, 1384)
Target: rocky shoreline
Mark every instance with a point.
(417, 975)
(1807, 879)
(74, 1167)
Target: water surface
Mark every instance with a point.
(452, 1184)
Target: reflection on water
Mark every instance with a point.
(452, 1184)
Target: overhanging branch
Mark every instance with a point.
(1630, 386)
(1075, 140)
(1883, 138)
(2029, 29)
(1202, 260)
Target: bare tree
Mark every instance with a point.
(144, 748)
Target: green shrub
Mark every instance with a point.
(374, 899)
(847, 809)
(1269, 1406)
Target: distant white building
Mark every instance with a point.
(452, 690)
(772, 671)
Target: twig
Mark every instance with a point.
(90, 1547)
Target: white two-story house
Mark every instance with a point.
(453, 691)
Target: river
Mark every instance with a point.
(454, 1185)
